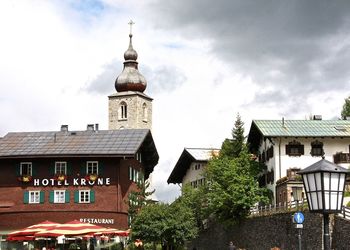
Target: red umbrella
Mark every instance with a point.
(113, 231)
(31, 230)
(70, 228)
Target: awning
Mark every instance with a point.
(70, 228)
(31, 230)
(113, 231)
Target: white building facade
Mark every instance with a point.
(286, 146)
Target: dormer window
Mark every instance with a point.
(317, 148)
(294, 148)
(123, 111)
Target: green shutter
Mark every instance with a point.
(42, 196)
(18, 169)
(52, 196)
(100, 168)
(34, 169)
(69, 168)
(92, 196)
(83, 168)
(67, 196)
(76, 196)
(52, 168)
(26, 197)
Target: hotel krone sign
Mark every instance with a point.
(72, 182)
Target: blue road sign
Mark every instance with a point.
(299, 217)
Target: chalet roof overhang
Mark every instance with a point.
(124, 144)
(262, 129)
(181, 167)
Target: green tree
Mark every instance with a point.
(170, 225)
(346, 108)
(233, 147)
(139, 198)
(232, 187)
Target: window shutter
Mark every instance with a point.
(83, 168)
(92, 196)
(42, 196)
(26, 197)
(52, 168)
(69, 168)
(301, 149)
(52, 196)
(18, 169)
(76, 196)
(100, 168)
(67, 196)
(34, 169)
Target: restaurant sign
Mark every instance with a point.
(97, 221)
(74, 182)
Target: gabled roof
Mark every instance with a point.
(298, 128)
(188, 156)
(97, 143)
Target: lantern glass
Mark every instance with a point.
(324, 190)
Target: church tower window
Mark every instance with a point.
(123, 111)
(144, 112)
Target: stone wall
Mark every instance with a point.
(261, 233)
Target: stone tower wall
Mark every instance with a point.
(135, 114)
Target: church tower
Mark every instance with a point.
(130, 107)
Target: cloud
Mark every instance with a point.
(299, 47)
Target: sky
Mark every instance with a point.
(204, 62)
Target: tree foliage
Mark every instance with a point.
(232, 187)
(170, 225)
(233, 147)
(346, 108)
(139, 198)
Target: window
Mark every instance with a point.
(123, 111)
(135, 175)
(197, 166)
(144, 112)
(34, 197)
(60, 167)
(84, 196)
(26, 168)
(317, 148)
(59, 196)
(92, 167)
(294, 148)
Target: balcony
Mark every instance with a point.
(341, 158)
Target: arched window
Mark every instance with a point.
(123, 111)
(144, 112)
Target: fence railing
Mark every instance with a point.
(290, 206)
(279, 208)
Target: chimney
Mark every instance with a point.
(317, 117)
(90, 127)
(96, 126)
(64, 128)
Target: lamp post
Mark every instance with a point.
(324, 184)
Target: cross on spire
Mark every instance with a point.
(131, 23)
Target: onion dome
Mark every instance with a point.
(130, 79)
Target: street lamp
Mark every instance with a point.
(324, 184)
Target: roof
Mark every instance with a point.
(298, 128)
(104, 143)
(188, 156)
